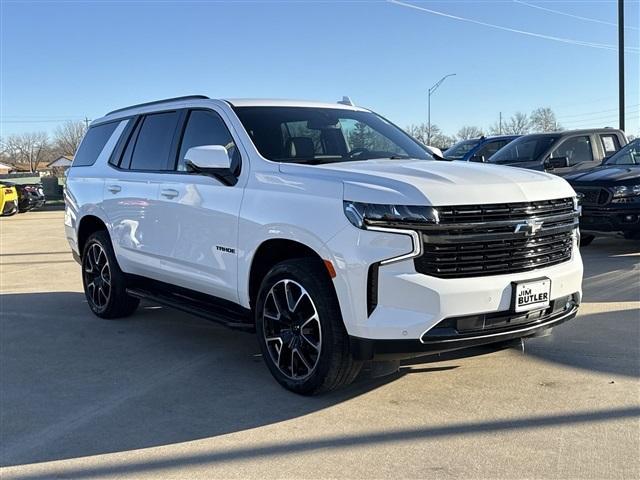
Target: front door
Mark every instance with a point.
(579, 152)
(199, 250)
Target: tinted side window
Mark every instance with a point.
(576, 149)
(205, 127)
(151, 151)
(610, 144)
(490, 148)
(93, 143)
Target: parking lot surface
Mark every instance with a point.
(164, 394)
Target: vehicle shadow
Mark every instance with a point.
(74, 385)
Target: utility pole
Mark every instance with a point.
(621, 61)
(87, 121)
(500, 123)
(431, 90)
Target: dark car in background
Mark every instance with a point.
(562, 153)
(477, 149)
(30, 195)
(610, 195)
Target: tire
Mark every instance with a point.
(300, 329)
(103, 281)
(586, 239)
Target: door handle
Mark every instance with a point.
(169, 193)
(114, 188)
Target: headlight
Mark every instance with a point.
(363, 214)
(577, 200)
(626, 191)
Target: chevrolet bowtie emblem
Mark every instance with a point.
(531, 227)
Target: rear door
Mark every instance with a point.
(610, 143)
(131, 193)
(199, 250)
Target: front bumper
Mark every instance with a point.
(409, 304)
(447, 338)
(622, 218)
(10, 207)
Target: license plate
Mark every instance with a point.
(531, 295)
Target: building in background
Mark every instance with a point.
(5, 169)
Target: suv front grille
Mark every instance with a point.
(594, 196)
(480, 240)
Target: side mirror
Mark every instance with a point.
(558, 162)
(211, 160)
(478, 158)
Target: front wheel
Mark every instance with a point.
(300, 330)
(586, 239)
(104, 283)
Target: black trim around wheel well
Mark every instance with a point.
(271, 252)
(88, 225)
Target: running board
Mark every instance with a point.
(239, 319)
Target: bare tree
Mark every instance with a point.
(543, 119)
(29, 149)
(518, 124)
(438, 138)
(68, 136)
(469, 131)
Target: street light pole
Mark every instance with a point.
(431, 91)
(621, 61)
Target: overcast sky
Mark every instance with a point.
(70, 59)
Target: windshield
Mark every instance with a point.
(460, 149)
(629, 155)
(325, 135)
(523, 149)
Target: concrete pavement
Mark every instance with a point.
(166, 394)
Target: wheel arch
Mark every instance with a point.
(273, 251)
(88, 225)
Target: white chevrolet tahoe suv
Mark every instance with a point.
(324, 228)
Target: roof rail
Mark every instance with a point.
(187, 97)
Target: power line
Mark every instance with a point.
(571, 15)
(585, 114)
(57, 120)
(570, 41)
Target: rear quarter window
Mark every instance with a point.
(93, 143)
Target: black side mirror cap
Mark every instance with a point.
(558, 162)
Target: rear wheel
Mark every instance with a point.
(104, 283)
(300, 330)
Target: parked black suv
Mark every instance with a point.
(611, 195)
(561, 153)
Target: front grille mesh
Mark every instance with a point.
(472, 241)
(594, 196)
(507, 211)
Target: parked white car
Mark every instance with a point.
(323, 227)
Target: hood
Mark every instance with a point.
(606, 176)
(420, 182)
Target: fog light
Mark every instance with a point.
(630, 218)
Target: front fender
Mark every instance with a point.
(264, 233)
